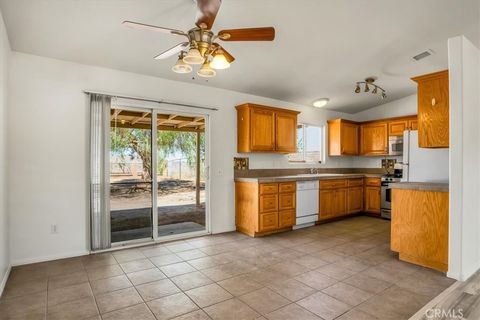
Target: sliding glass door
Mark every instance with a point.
(157, 174)
(131, 175)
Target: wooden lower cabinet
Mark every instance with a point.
(340, 197)
(355, 200)
(264, 208)
(372, 199)
(420, 227)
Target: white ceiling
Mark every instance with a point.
(322, 47)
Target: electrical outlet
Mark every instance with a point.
(53, 229)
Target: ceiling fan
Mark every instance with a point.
(201, 47)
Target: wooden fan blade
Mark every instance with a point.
(148, 27)
(206, 13)
(248, 34)
(172, 51)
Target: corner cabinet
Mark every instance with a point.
(266, 129)
(342, 138)
(433, 110)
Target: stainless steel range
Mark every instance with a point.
(386, 194)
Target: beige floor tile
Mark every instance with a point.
(311, 262)
(157, 289)
(329, 256)
(150, 252)
(104, 272)
(232, 309)
(179, 246)
(292, 312)
(195, 315)
(336, 272)
(208, 295)
(267, 276)
(172, 306)
(110, 284)
(136, 265)
(264, 300)
(204, 263)
(385, 274)
(191, 254)
(98, 260)
(347, 293)
(177, 269)
(19, 288)
(128, 255)
(352, 263)
(240, 285)
(292, 289)
(67, 280)
(78, 309)
(316, 280)
(191, 280)
(288, 268)
(165, 259)
(145, 276)
(24, 307)
(324, 306)
(380, 308)
(137, 312)
(218, 273)
(70, 293)
(356, 314)
(369, 284)
(118, 300)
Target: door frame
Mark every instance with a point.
(155, 110)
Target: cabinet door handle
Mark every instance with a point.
(434, 102)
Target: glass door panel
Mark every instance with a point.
(180, 174)
(130, 175)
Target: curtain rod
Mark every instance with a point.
(150, 100)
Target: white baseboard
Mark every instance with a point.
(20, 262)
(4, 280)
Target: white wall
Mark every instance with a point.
(48, 137)
(4, 230)
(464, 235)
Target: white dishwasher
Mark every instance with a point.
(307, 203)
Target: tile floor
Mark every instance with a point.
(342, 270)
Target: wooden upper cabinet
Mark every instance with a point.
(263, 135)
(286, 132)
(266, 129)
(396, 128)
(433, 110)
(342, 138)
(374, 138)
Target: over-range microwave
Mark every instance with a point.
(395, 145)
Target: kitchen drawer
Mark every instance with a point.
(355, 182)
(332, 184)
(268, 188)
(286, 187)
(286, 201)
(373, 182)
(268, 221)
(286, 218)
(269, 203)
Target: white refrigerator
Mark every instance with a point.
(423, 164)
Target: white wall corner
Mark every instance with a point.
(3, 284)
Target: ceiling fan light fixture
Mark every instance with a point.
(375, 90)
(357, 88)
(219, 61)
(205, 71)
(367, 88)
(320, 103)
(181, 66)
(384, 95)
(193, 57)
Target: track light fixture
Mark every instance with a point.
(370, 82)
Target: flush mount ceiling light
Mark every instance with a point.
(320, 102)
(369, 82)
(200, 42)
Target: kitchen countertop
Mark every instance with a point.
(423, 186)
(307, 177)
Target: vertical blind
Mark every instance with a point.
(99, 171)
